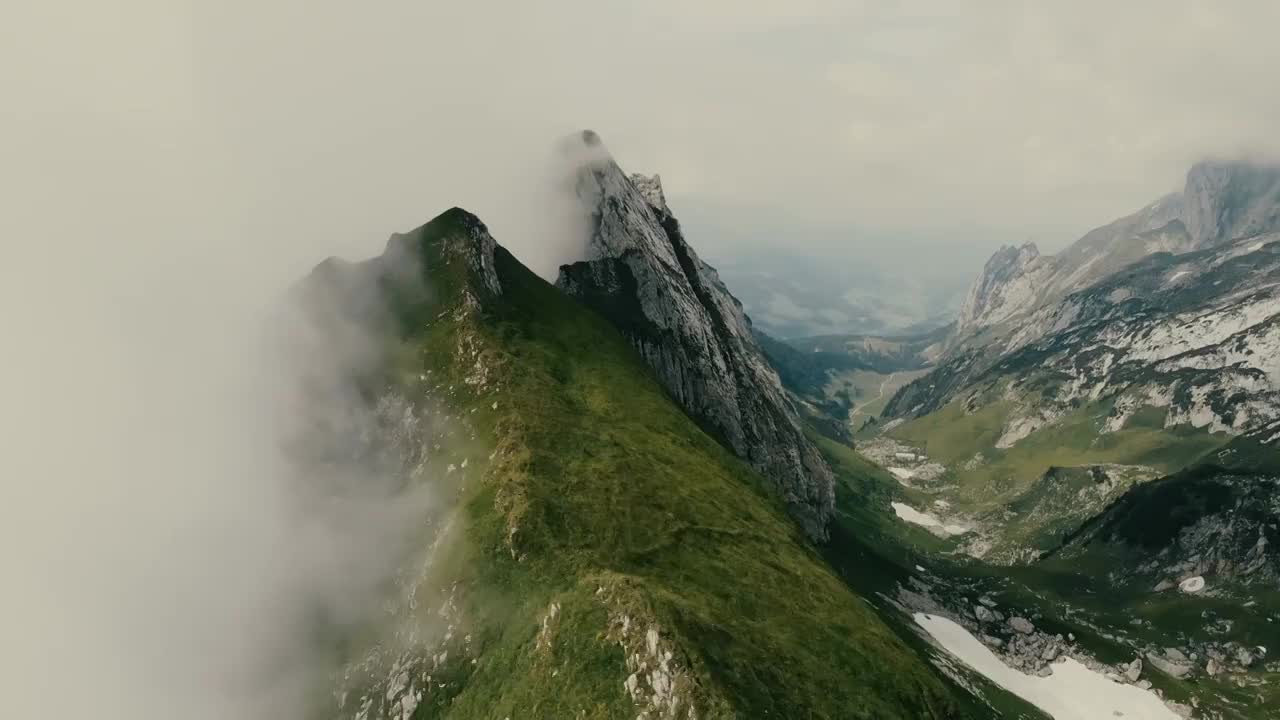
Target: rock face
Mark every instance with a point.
(1214, 524)
(1220, 202)
(1178, 668)
(1016, 281)
(1007, 283)
(1223, 201)
(641, 274)
(1196, 335)
(1022, 625)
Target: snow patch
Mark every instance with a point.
(915, 517)
(1192, 584)
(1071, 692)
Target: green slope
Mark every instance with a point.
(607, 538)
(1024, 499)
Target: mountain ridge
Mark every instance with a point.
(1220, 202)
(595, 554)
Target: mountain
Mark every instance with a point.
(590, 551)
(1220, 202)
(1142, 374)
(641, 274)
(1129, 356)
(1136, 295)
(1208, 522)
(1194, 335)
(1219, 519)
(1017, 280)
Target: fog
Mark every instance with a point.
(171, 168)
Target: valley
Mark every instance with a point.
(1081, 473)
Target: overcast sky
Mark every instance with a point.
(341, 122)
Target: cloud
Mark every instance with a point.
(1010, 120)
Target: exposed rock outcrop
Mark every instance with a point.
(1223, 201)
(1220, 202)
(641, 274)
(1196, 334)
(1008, 282)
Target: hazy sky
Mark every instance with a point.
(342, 122)
(168, 167)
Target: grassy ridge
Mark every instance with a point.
(605, 507)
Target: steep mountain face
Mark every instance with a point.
(1151, 300)
(641, 274)
(589, 551)
(1143, 372)
(1016, 281)
(1196, 335)
(1007, 282)
(1224, 201)
(1206, 523)
(1220, 202)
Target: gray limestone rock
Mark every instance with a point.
(1022, 625)
(641, 274)
(1169, 667)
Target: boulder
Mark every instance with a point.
(1022, 625)
(1172, 668)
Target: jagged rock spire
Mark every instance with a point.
(642, 275)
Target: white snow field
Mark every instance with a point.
(1192, 584)
(1072, 692)
(915, 517)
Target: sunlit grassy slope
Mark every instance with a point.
(955, 438)
(603, 514)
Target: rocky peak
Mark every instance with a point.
(622, 218)
(455, 235)
(1228, 200)
(640, 273)
(452, 256)
(1222, 201)
(1010, 258)
(651, 189)
(992, 294)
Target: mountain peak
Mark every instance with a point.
(641, 274)
(455, 234)
(1226, 200)
(625, 217)
(1007, 280)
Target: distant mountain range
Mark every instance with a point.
(1220, 203)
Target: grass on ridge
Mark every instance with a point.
(603, 497)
